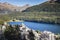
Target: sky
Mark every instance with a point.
(24, 2)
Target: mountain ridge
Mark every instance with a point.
(9, 7)
(45, 7)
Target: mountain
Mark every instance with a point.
(9, 7)
(54, 1)
(49, 6)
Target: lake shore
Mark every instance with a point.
(42, 22)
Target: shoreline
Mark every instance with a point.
(42, 22)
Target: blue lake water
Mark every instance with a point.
(40, 26)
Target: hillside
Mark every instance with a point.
(49, 6)
(47, 12)
(9, 7)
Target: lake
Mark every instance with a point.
(40, 26)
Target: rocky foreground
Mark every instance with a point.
(22, 32)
